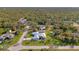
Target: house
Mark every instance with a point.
(1, 39)
(39, 36)
(42, 34)
(22, 21)
(76, 25)
(4, 36)
(10, 36)
(7, 36)
(75, 34)
(42, 27)
(35, 36)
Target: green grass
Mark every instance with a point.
(29, 35)
(16, 39)
(1, 31)
(33, 43)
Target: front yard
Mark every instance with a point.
(50, 40)
(8, 43)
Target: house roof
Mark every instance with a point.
(1, 38)
(35, 33)
(42, 26)
(41, 31)
(42, 34)
(22, 20)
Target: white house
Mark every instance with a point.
(39, 35)
(36, 35)
(42, 35)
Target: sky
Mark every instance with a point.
(39, 3)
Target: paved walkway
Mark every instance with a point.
(22, 37)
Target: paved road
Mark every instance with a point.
(17, 48)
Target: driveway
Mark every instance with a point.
(18, 45)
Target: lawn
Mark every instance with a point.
(1, 31)
(33, 43)
(29, 35)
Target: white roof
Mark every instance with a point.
(35, 33)
(42, 34)
(22, 20)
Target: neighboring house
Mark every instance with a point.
(75, 25)
(76, 34)
(1, 39)
(6, 36)
(22, 21)
(10, 36)
(42, 27)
